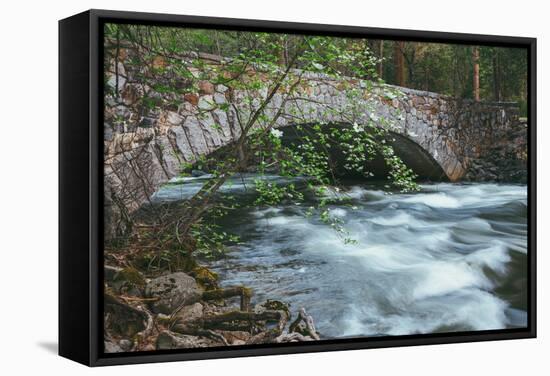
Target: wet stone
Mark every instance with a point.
(172, 290)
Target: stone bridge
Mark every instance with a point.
(461, 140)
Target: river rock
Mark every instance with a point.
(125, 344)
(111, 347)
(189, 313)
(172, 290)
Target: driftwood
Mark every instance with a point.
(304, 325)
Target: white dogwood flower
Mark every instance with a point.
(276, 133)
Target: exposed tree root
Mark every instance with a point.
(127, 320)
(304, 325)
(149, 325)
(292, 337)
(219, 294)
(231, 321)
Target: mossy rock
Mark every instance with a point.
(128, 281)
(205, 277)
(130, 275)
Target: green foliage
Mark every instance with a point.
(401, 176)
(272, 194)
(212, 242)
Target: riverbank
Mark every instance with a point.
(178, 311)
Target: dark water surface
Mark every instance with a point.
(452, 257)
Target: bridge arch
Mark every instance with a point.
(413, 155)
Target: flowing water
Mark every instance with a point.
(452, 257)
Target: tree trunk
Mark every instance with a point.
(399, 63)
(426, 77)
(496, 76)
(283, 53)
(117, 53)
(217, 40)
(475, 58)
(381, 62)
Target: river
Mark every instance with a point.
(452, 257)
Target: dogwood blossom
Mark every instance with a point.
(276, 133)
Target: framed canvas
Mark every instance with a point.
(236, 187)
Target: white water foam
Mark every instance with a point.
(421, 263)
(399, 219)
(436, 200)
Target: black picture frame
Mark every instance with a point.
(81, 185)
